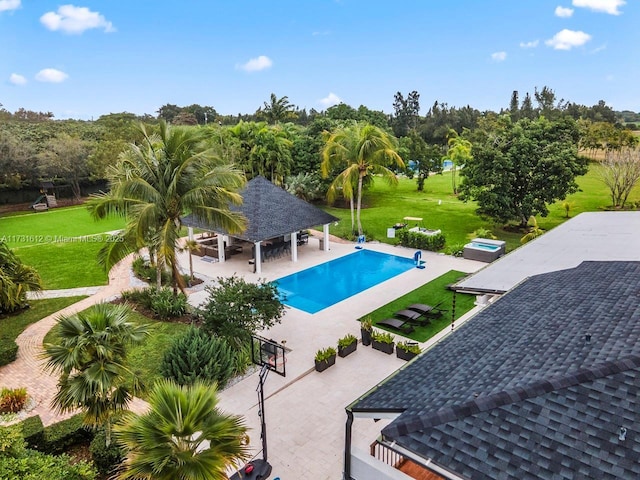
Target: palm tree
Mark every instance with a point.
(459, 153)
(278, 109)
(183, 436)
(365, 150)
(16, 279)
(155, 184)
(90, 357)
(191, 246)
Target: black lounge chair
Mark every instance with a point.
(407, 314)
(396, 324)
(426, 310)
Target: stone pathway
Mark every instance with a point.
(26, 371)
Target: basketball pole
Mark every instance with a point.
(264, 371)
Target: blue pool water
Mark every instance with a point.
(319, 287)
(484, 246)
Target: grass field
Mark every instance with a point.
(432, 293)
(62, 244)
(440, 209)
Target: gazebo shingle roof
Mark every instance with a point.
(270, 212)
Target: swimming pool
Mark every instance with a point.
(319, 287)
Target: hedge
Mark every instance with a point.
(58, 437)
(33, 431)
(8, 351)
(420, 240)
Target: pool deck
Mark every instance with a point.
(304, 412)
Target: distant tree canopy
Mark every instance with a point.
(518, 169)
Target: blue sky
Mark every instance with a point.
(89, 58)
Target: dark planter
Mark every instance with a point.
(366, 337)
(383, 347)
(323, 365)
(404, 355)
(344, 351)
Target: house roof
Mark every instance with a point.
(602, 236)
(270, 212)
(519, 393)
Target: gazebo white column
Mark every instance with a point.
(325, 237)
(294, 247)
(221, 248)
(257, 257)
(190, 230)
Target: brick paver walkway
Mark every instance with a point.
(26, 371)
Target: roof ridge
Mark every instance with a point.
(417, 422)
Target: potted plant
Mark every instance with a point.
(325, 357)
(347, 344)
(366, 325)
(407, 350)
(382, 341)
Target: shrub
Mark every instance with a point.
(347, 340)
(241, 359)
(105, 458)
(33, 431)
(60, 436)
(11, 442)
(12, 400)
(163, 303)
(196, 355)
(325, 354)
(421, 241)
(382, 337)
(409, 347)
(8, 351)
(33, 465)
(455, 250)
(146, 272)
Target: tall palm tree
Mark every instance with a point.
(183, 436)
(278, 109)
(459, 153)
(16, 279)
(155, 184)
(365, 150)
(90, 357)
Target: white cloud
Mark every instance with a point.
(256, 64)
(330, 100)
(532, 44)
(563, 12)
(567, 39)
(604, 6)
(599, 49)
(17, 79)
(72, 19)
(8, 5)
(499, 56)
(51, 75)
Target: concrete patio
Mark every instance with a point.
(305, 411)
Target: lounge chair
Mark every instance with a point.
(426, 310)
(407, 314)
(396, 324)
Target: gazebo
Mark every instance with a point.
(271, 212)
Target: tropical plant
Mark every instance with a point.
(366, 324)
(191, 246)
(12, 400)
(235, 308)
(183, 436)
(198, 356)
(16, 279)
(347, 340)
(459, 153)
(534, 230)
(278, 109)
(482, 233)
(409, 347)
(155, 184)
(362, 150)
(90, 357)
(382, 337)
(324, 354)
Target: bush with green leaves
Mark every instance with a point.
(196, 355)
(32, 431)
(8, 351)
(163, 303)
(235, 308)
(61, 435)
(419, 240)
(12, 400)
(105, 457)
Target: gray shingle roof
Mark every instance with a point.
(519, 393)
(271, 212)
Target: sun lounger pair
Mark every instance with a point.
(396, 324)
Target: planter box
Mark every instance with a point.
(404, 355)
(383, 347)
(322, 366)
(366, 337)
(343, 352)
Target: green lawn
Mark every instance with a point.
(13, 325)
(440, 209)
(432, 293)
(54, 243)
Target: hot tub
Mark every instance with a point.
(484, 249)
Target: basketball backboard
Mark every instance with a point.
(268, 353)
